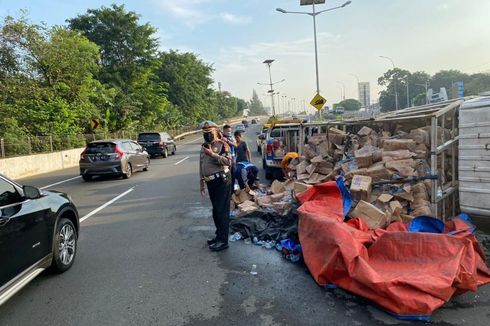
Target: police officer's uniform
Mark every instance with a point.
(214, 172)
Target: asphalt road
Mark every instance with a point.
(142, 260)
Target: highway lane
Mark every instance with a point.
(143, 261)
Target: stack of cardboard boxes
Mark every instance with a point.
(374, 164)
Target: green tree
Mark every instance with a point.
(188, 80)
(256, 107)
(48, 85)
(128, 58)
(128, 48)
(350, 104)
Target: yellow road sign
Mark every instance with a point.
(95, 122)
(318, 102)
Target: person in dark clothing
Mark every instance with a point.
(242, 151)
(247, 175)
(214, 171)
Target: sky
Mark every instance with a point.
(236, 36)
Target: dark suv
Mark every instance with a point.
(119, 157)
(38, 230)
(157, 143)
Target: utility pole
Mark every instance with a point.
(268, 62)
(313, 14)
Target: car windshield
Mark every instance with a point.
(100, 148)
(149, 137)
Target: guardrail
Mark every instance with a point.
(29, 145)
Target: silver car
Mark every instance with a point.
(120, 157)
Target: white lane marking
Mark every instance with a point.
(182, 160)
(58, 183)
(192, 141)
(95, 211)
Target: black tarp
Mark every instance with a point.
(267, 226)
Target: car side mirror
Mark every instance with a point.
(31, 192)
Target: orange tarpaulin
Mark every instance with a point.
(409, 274)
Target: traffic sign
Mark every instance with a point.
(95, 123)
(318, 102)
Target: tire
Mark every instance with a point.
(64, 246)
(165, 153)
(175, 150)
(147, 165)
(129, 172)
(87, 177)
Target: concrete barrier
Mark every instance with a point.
(26, 166)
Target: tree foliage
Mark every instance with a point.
(349, 104)
(105, 63)
(47, 78)
(474, 84)
(255, 106)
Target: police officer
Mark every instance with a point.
(214, 170)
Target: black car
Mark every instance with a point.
(157, 143)
(38, 231)
(118, 157)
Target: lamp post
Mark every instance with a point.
(358, 82)
(343, 88)
(394, 80)
(268, 62)
(313, 14)
(278, 103)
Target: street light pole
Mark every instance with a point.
(314, 14)
(343, 87)
(394, 80)
(316, 51)
(268, 62)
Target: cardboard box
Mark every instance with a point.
(396, 207)
(373, 216)
(300, 187)
(309, 152)
(396, 144)
(379, 172)
(401, 154)
(420, 136)
(384, 199)
(404, 167)
(365, 131)
(336, 136)
(317, 159)
(310, 169)
(360, 187)
(301, 167)
(277, 187)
